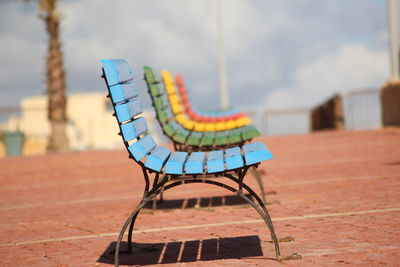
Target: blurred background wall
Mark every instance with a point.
(90, 124)
(284, 60)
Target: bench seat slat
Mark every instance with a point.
(181, 135)
(195, 163)
(154, 90)
(123, 92)
(128, 110)
(249, 132)
(256, 152)
(158, 104)
(234, 136)
(161, 102)
(242, 121)
(215, 161)
(175, 105)
(174, 127)
(168, 130)
(221, 138)
(169, 82)
(194, 139)
(133, 129)
(164, 99)
(175, 163)
(157, 158)
(149, 75)
(162, 116)
(142, 147)
(208, 139)
(209, 127)
(117, 71)
(233, 158)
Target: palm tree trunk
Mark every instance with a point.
(56, 87)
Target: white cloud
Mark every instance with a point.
(22, 53)
(352, 66)
(270, 45)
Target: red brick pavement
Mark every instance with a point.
(337, 195)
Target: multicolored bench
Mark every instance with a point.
(200, 115)
(184, 135)
(173, 168)
(187, 140)
(193, 124)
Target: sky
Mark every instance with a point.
(279, 53)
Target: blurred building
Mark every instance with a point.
(90, 124)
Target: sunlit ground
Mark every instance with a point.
(335, 193)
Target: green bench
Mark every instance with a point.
(186, 140)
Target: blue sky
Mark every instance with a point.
(280, 54)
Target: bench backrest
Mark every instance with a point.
(173, 96)
(158, 96)
(124, 97)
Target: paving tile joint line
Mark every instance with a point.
(303, 217)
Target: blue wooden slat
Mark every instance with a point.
(175, 163)
(233, 158)
(256, 152)
(215, 161)
(117, 71)
(157, 158)
(142, 147)
(195, 163)
(128, 110)
(133, 129)
(122, 92)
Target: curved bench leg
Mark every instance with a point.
(260, 202)
(260, 182)
(263, 211)
(130, 231)
(294, 256)
(267, 219)
(123, 229)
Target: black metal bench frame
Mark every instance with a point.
(170, 181)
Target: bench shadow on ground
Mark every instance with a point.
(186, 251)
(204, 202)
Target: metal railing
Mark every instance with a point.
(282, 122)
(362, 110)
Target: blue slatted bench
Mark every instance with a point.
(174, 168)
